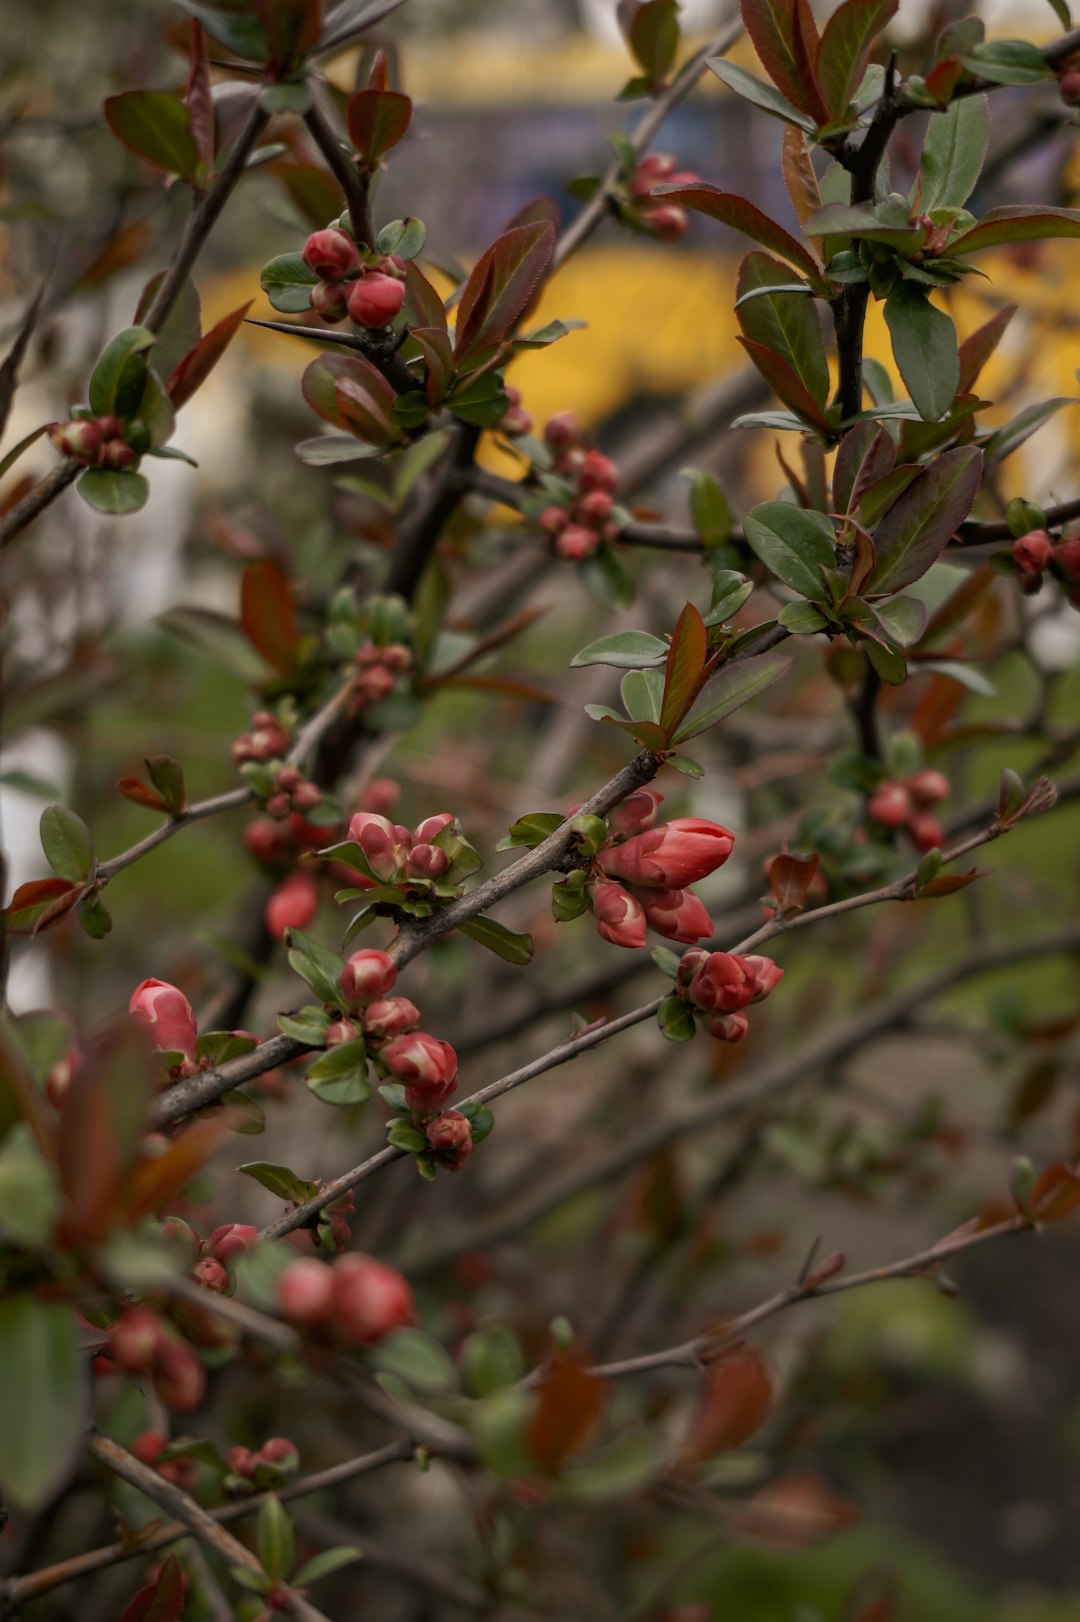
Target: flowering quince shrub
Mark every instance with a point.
(168, 1305)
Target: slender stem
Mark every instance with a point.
(44, 493)
(355, 185)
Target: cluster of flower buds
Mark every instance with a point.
(659, 216)
(267, 740)
(578, 525)
(906, 802)
(224, 1245)
(142, 1345)
(639, 878)
(353, 1299)
(377, 670)
(515, 420)
(369, 290)
(717, 987)
(183, 1472)
(96, 442)
(268, 1466)
(424, 1065)
(433, 857)
(1035, 553)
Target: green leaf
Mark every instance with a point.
(889, 663)
(404, 237)
(862, 222)
(43, 1398)
(280, 1180)
(732, 686)
(1021, 222)
(491, 1359)
(625, 650)
(802, 619)
(29, 1198)
(94, 917)
(315, 965)
(785, 382)
(328, 449)
(794, 543)
(481, 401)
(709, 510)
(275, 1540)
(155, 126)
(730, 590)
(654, 38)
(167, 776)
(325, 1564)
(759, 94)
(917, 527)
(258, 1270)
(66, 841)
(642, 693)
(904, 620)
(513, 946)
(786, 323)
(741, 215)
(926, 351)
(116, 382)
(953, 153)
(339, 1076)
(309, 1025)
(1008, 439)
(234, 26)
(845, 48)
(532, 829)
(1007, 61)
(117, 494)
(675, 1019)
(287, 283)
(403, 1135)
(417, 1359)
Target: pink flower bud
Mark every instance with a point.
(242, 1462)
(381, 795)
(232, 1239)
(1033, 551)
(133, 1340)
(427, 862)
(278, 806)
(721, 984)
(598, 472)
(211, 1275)
(280, 1451)
(331, 255)
(305, 1292)
(726, 1027)
(594, 509)
(928, 787)
(82, 440)
(379, 841)
(426, 1064)
(1067, 556)
(366, 975)
(165, 1014)
(450, 1138)
(636, 813)
(1069, 86)
(765, 974)
(370, 1300)
(288, 779)
(306, 797)
(672, 856)
(179, 1378)
(561, 431)
(651, 171)
(620, 917)
(426, 831)
(677, 914)
(515, 422)
(890, 804)
(553, 520)
(396, 656)
(375, 299)
(388, 1017)
(342, 1030)
(118, 455)
(576, 543)
(109, 427)
(668, 221)
(329, 299)
(149, 1445)
(292, 906)
(926, 832)
(267, 841)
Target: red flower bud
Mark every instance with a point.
(515, 422)
(388, 1017)
(380, 843)
(553, 519)
(765, 974)
(133, 1340)
(928, 787)
(242, 1462)
(380, 795)
(726, 1027)
(926, 832)
(82, 440)
(723, 983)
(651, 171)
(426, 1064)
(598, 472)
(427, 862)
(636, 813)
(672, 856)
(450, 1138)
(676, 914)
(179, 1378)
(620, 917)
(375, 299)
(370, 1300)
(292, 906)
(1069, 86)
(366, 975)
(575, 543)
(267, 841)
(305, 1292)
(118, 455)
(426, 831)
(342, 1030)
(890, 804)
(668, 221)
(561, 431)
(165, 1014)
(280, 1451)
(396, 656)
(232, 1239)
(211, 1275)
(594, 509)
(149, 1445)
(329, 299)
(331, 255)
(278, 806)
(288, 779)
(109, 427)
(1067, 556)
(1032, 552)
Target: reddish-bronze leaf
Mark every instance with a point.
(133, 788)
(845, 49)
(363, 408)
(153, 1182)
(784, 382)
(771, 26)
(191, 373)
(948, 884)
(571, 1402)
(423, 307)
(795, 1511)
(314, 191)
(162, 1600)
(267, 612)
(1023, 222)
(685, 668)
(438, 356)
(943, 79)
(976, 350)
(1056, 1194)
(741, 215)
(377, 120)
(734, 1404)
(804, 44)
(38, 904)
(798, 172)
(200, 102)
(502, 285)
(292, 27)
(790, 877)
